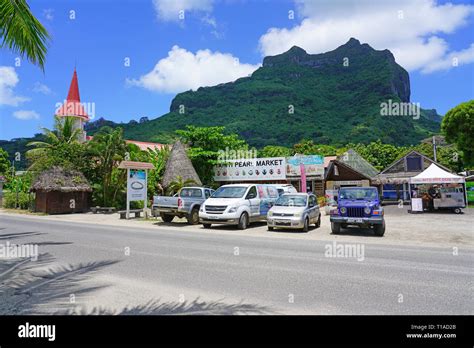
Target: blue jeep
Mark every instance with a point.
(359, 206)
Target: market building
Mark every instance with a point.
(394, 180)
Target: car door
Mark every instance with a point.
(254, 201)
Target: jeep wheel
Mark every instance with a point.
(335, 227)
(193, 218)
(207, 225)
(243, 221)
(379, 230)
(166, 217)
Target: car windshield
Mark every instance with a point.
(230, 192)
(291, 201)
(359, 193)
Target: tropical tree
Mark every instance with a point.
(206, 144)
(458, 127)
(308, 147)
(21, 32)
(178, 184)
(108, 149)
(4, 162)
(61, 147)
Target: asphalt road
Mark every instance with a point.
(86, 268)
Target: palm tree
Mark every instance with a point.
(108, 149)
(178, 184)
(64, 133)
(21, 32)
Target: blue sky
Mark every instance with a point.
(219, 41)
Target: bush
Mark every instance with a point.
(24, 201)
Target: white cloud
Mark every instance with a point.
(41, 88)
(408, 28)
(451, 60)
(8, 80)
(26, 115)
(182, 70)
(169, 10)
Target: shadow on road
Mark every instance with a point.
(19, 235)
(195, 307)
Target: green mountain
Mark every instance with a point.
(333, 103)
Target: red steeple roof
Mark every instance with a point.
(73, 106)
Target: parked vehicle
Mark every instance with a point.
(238, 204)
(285, 188)
(358, 206)
(294, 211)
(184, 204)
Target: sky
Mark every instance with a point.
(133, 56)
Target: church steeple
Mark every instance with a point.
(72, 106)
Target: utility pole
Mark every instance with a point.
(434, 149)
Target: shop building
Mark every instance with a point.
(394, 180)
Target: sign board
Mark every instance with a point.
(253, 169)
(313, 165)
(136, 185)
(417, 204)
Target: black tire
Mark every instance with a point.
(243, 221)
(207, 225)
(457, 210)
(270, 228)
(193, 218)
(335, 227)
(318, 222)
(379, 230)
(166, 217)
(306, 225)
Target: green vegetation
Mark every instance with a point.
(458, 127)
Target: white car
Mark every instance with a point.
(238, 204)
(294, 211)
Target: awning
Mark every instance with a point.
(435, 175)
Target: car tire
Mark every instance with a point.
(243, 221)
(318, 222)
(457, 210)
(379, 230)
(306, 225)
(193, 218)
(207, 225)
(166, 217)
(335, 227)
(270, 228)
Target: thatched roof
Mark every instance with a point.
(179, 164)
(59, 179)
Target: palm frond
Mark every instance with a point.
(22, 32)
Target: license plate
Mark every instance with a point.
(213, 217)
(355, 220)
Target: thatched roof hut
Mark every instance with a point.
(179, 164)
(60, 191)
(59, 179)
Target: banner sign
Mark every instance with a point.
(254, 169)
(136, 185)
(313, 165)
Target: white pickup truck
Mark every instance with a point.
(184, 204)
(238, 204)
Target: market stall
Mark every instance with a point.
(435, 189)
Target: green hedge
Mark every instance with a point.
(9, 200)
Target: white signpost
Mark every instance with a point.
(137, 182)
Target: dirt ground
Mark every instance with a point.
(442, 229)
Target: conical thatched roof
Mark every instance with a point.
(179, 164)
(59, 179)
